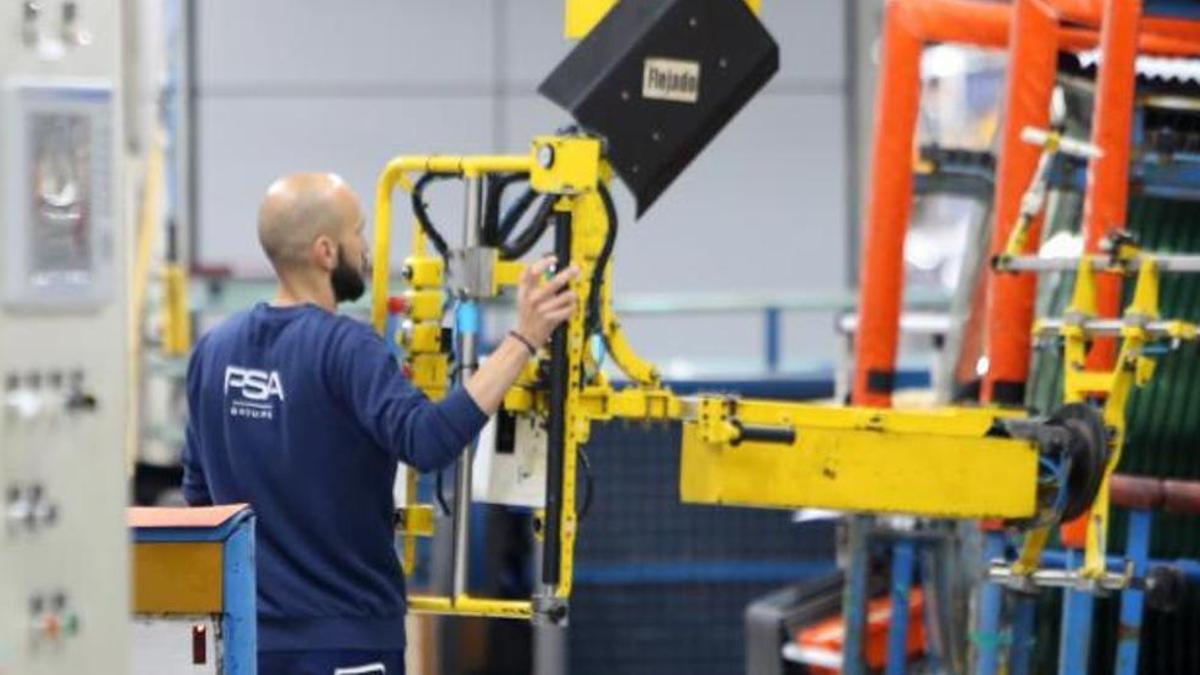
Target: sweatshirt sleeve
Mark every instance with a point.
(401, 420)
(195, 484)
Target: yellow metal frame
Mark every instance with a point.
(942, 462)
(1019, 237)
(425, 276)
(581, 16)
(1133, 368)
(576, 170)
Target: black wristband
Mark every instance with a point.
(525, 341)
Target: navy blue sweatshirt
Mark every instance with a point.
(304, 414)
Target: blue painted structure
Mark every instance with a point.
(1076, 643)
(239, 618)
(987, 638)
(903, 562)
(1137, 550)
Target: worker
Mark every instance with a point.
(304, 413)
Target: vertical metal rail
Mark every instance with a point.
(467, 318)
(903, 561)
(1076, 641)
(856, 594)
(991, 601)
(1137, 550)
(556, 432)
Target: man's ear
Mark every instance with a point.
(324, 252)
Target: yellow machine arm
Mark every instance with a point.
(948, 463)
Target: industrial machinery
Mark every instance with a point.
(649, 87)
(62, 340)
(1112, 299)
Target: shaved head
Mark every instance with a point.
(300, 208)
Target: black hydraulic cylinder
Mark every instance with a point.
(559, 376)
(761, 434)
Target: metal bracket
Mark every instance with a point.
(471, 272)
(550, 610)
(1002, 573)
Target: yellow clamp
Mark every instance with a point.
(565, 165)
(713, 416)
(424, 271)
(430, 372)
(422, 337)
(415, 520)
(425, 305)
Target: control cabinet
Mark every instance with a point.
(64, 605)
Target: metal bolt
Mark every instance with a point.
(545, 156)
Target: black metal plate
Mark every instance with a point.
(610, 88)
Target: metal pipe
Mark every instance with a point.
(771, 330)
(1137, 548)
(1106, 327)
(1165, 263)
(903, 559)
(1076, 643)
(1024, 637)
(987, 619)
(556, 426)
(855, 594)
(1106, 200)
(468, 331)
(758, 433)
(1190, 569)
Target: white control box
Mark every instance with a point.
(510, 462)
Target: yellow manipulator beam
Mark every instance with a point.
(772, 454)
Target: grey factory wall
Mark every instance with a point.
(288, 85)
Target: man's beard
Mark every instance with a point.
(348, 284)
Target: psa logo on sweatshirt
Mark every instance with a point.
(254, 391)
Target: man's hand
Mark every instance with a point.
(542, 307)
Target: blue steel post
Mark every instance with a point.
(1129, 634)
(855, 594)
(239, 621)
(903, 553)
(991, 601)
(1076, 641)
(934, 587)
(1020, 658)
(771, 331)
